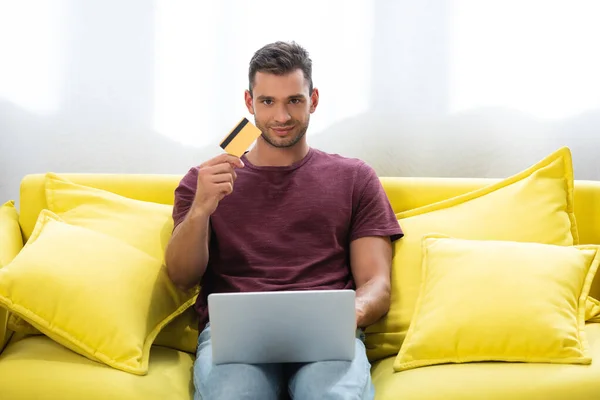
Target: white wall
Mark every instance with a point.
(101, 118)
(428, 88)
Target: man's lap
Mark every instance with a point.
(323, 380)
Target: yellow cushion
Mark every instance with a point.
(535, 205)
(493, 380)
(38, 368)
(179, 334)
(91, 292)
(500, 301)
(144, 225)
(11, 242)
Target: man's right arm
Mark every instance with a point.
(196, 199)
(187, 253)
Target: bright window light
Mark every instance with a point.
(31, 53)
(536, 56)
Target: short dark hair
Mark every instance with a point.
(281, 58)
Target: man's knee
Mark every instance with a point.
(332, 380)
(334, 386)
(239, 381)
(235, 391)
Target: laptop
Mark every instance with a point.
(283, 326)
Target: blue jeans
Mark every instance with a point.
(324, 380)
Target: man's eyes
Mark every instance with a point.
(268, 102)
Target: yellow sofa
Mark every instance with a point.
(35, 367)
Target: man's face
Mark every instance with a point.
(281, 106)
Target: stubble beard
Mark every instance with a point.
(285, 143)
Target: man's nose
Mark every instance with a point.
(282, 116)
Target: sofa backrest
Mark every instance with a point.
(404, 194)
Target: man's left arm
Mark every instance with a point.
(374, 228)
(371, 259)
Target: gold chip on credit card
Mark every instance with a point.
(240, 138)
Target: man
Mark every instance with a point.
(283, 217)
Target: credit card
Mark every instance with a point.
(240, 138)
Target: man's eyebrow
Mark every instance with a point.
(294, 96)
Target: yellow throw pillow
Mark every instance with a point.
(535, 205)
(93, 293)
(11, 242)
(144, 225)
(180, 334)
(500, 301)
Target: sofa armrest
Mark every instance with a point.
(11, 243)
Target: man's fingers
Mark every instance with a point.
(224, 158)
(234, 174)
(221, 178)
(225, 188)
(223, 168)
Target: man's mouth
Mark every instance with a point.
(282, 130)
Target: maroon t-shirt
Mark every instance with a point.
(290, 228)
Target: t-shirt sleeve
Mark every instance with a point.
(184, 196)
(373, 214)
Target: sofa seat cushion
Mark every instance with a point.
(493, 381)
(38, 368)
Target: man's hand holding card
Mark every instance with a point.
(217, 175)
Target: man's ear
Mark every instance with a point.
(314, 100)
(248, 100)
